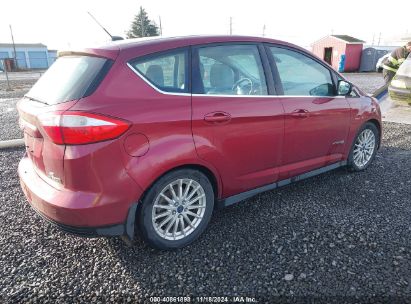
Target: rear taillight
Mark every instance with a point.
(77, 128)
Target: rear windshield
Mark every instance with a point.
(69, 78)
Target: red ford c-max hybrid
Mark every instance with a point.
(151, 135)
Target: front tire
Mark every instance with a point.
(176, 209)
(364, 148)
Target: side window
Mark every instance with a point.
(231, 70)
(301, 75)
(166, 71)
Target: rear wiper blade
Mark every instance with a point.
(34, 99)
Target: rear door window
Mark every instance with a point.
(231, 70)
(69, 78)
(166, 71)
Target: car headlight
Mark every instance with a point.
(398, 84)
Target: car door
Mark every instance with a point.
(237, 126)
(316, 119)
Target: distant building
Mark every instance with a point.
(52, 56)
(29, 55)
(342, 52)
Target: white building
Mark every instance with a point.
(29, 55)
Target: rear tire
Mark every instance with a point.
(364, 148)
(176, 209)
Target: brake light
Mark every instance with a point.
(77, 128)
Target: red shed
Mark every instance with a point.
(331, 48)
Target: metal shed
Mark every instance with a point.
(28, 55)
(370, 56)
(52, 56)
(343, 52)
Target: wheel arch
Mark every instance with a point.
(136, 207)
(206, 171)
(210, 174)
(379, 128)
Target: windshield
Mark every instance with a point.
(405, 68)
(67, 79)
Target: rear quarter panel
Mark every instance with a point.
(164, 119)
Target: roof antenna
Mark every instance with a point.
(113, 38)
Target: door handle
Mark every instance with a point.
(217, 117)
(300, 113)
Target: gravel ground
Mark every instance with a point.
(368, 82)
(9, 119)
(8, 100)
(19, 87)
(339, 237)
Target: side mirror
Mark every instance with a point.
(344, 88)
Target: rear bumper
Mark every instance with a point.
(75, 212)
(113, 230)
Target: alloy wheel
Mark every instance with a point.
(364, 148)
(179, 209)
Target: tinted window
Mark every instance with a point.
(166, 71)
(301, 75)
(231, 70)
(69, 78)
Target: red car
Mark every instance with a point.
(150, 136)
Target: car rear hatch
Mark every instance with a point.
(72, 77)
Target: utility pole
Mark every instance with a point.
(264, 30)
(373, 38)
(7, 76)
(161, 29)
(379, 39)
(14, 48)
(231, 25)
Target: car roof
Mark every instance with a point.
(141, 46)
(190, 40)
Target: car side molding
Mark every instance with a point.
(242, 196)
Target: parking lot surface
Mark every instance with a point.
(368, 82)
(20, 84)
(339, 237)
